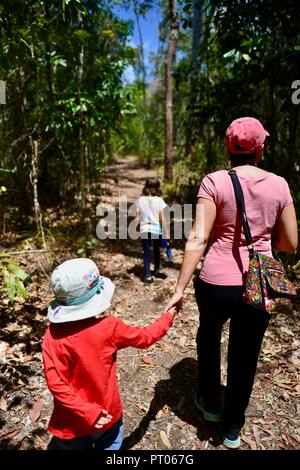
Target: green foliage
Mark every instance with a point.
(85, 247)
(247, 59)
(14, 278)
(63, 63)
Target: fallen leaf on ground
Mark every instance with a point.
(286, 331)
(147, 359)
(281, 446)
(141, 407)
(3, 404)
(167, 347)
(3, 348)
(165, 409)
(285, 439)
(43, 444)
(27, 358)
(249, 441)
(256, 436)
(165, 439)
(9, 434)
(36, 410)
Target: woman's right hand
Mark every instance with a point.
(176, 301)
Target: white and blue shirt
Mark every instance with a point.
(150, 207)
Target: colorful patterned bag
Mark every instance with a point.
(267, 286)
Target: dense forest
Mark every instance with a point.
(74, 133)
(68, 110)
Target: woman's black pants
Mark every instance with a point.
(216, 305)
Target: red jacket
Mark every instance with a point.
(80, 368)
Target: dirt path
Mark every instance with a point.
(156, 385)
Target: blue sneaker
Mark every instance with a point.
(232, 439)
(212, 417)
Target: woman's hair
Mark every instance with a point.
(238, 159)
(152, 187)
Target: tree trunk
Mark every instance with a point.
(144, 78)
(34, 180)
(81, 138)
(195, 74)
(172, 43)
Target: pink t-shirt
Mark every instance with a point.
(226, 262)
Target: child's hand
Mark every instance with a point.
(173, 311)
(104, 419)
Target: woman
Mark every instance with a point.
(218, 289)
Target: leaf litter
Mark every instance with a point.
(156, 385)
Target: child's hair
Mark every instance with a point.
(152, 187)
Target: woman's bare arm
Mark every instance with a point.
(286, 233)
(195, 246)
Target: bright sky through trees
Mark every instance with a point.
(150, 32)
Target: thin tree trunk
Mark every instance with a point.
(81, 137)
(195, 74)
(34, 180)
(144, 78)
(49, 65)
(142, 54)
(172, 44)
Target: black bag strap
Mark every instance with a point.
(240, 202)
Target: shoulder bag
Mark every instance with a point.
(267, 286)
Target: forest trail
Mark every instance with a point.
(157, 384)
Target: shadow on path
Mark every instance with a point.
(177, 393)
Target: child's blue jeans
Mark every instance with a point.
(149, 239)
(108, 440)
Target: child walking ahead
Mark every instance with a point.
(79, 353)
(150, 208)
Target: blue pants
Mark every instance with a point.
(149, 239)
(108, 440)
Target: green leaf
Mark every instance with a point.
(229, 53)
(297, 48)
(267, 358)
(21, 289)
(80, 251)
(246, 57)
(82, 35)
(10, 284)
(17, 271)
(238, 56)
(296, 266)
(286, 330)
(30, 46)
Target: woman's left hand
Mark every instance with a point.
(176, 301)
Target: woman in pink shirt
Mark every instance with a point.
(219, 288)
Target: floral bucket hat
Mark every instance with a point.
(80, 292)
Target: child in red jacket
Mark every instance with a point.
(79, 353)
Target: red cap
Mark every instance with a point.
(245, 135)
